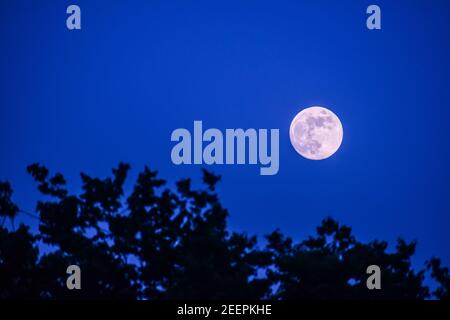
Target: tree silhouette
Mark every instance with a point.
(333, 265)
(442, 276)
(7, 208)
(162, 243)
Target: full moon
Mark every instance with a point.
(316, 133)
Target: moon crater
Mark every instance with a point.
(316, 133)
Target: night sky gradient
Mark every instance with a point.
(115, 90)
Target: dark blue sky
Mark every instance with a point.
(114, 91)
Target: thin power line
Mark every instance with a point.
(30, 214)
